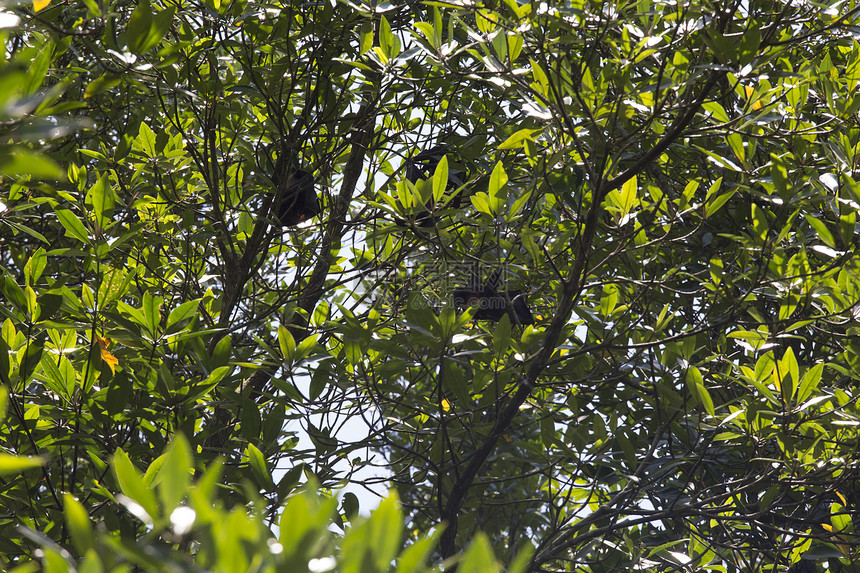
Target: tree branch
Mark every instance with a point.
(572, 287)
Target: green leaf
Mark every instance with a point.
(628, 195)
(498, 180)
(161, 24)
(303, 520)
(146, 30)
(520, 202)
(719, 159)
(840, 518)
(810, 382)
(152, 313)
(821, 230)
(14, 465)
(716, 269)
(697, 385)
(115, 283)
(515, 46)
(386, 531)
(30, 296)
(479, 558)
(785, 375)
(447, 323)
(305, 347)
(32, 357)
(429, 34)
(206, 386)
(440, 179)
(20, 162)
(53, 562)
(750, 42)
(26, 230)
(182, 312)
(119, 393)
(414, 557)
(35, 266)
(38, 63)
(14, 293)
(519, 138)
(481, 202)
(133, 486)
(609, 300)
(175, 474)
(352, 346)
(257, 461)
(74, 227)
(736, 143)
(132, 313)
(716, 204)
(319, 380)
(779, 174)
(386, 38)
(456, 382)
(373, 545)
(502, 335)
(102, 84)
(764, 366)
(147, 140)
(716, 110)
(53, 378)
(521, 562)
(847, 224)
(365, 34)
(547, 431)
(101, 197)
(138, 26)
(541, 81)
(79, 523)
(487, 21)
(787, 308)
(723, 48)
(289, 480)
(759, 222)
(715, 186)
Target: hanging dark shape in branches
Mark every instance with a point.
(423, 166)
(492, 304)
(298, 199)
(299, 202)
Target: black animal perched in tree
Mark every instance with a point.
(423, 166)
(298, 199)
(492, 304)
(299, 202)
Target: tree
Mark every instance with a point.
(672, 186)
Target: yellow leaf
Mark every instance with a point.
(446, 405)
(40, 5)
(845, 549)
(750, 91)
(107, 357)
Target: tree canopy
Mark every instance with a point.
(586, 275)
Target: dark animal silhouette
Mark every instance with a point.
(423, 166)
(299, 202)
(493, 305)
